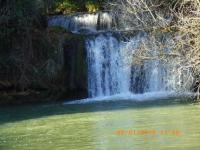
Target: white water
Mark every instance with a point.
(148, 96)
(111, 69)
(83, 22)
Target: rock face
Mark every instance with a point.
(75, 66)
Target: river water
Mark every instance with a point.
(107, 125)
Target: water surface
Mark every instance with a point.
(101, 126)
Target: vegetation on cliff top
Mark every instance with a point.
(71, 6)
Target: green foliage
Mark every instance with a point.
(92, 6)
(71, 6)
(65, 6)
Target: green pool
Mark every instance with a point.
(121, 125)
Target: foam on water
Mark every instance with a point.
(132, 97)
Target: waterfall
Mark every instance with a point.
(111, 68)
(104, 77)
(83, 23)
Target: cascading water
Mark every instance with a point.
(104, 77)
(112, 71)
(83, 22)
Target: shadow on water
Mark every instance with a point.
(25, 112)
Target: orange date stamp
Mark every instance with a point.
(122, 132)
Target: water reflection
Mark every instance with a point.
(163, 120)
